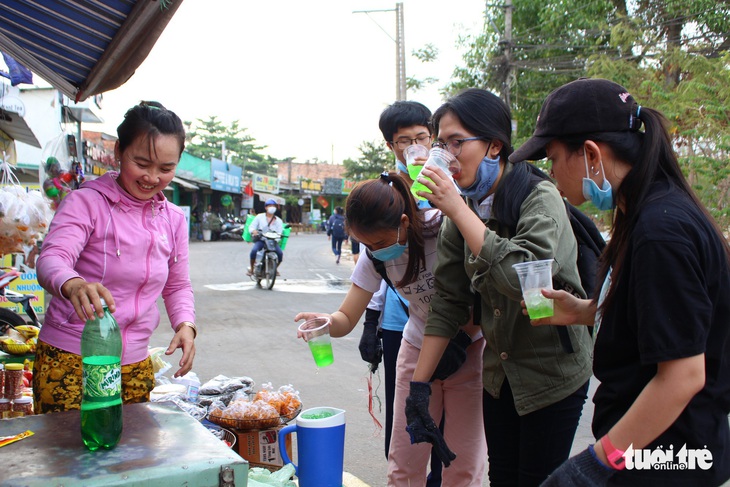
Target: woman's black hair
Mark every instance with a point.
(652, 158)
(482, 113)
(378, 204)
(149, 119)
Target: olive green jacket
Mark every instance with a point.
(540, 370)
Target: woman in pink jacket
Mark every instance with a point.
(117, 238)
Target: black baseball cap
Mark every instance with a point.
(583, 106)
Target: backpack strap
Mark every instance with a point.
(380, 268)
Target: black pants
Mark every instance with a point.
(524, 450)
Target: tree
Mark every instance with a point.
(375, 159)
(426, 54)
(206, 138)
(671, 55)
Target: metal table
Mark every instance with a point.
(161, 445)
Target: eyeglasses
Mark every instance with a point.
(404, 142)
(454, 145)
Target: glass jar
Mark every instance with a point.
(13, 381)
(5, 408)
(23, 405)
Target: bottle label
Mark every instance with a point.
(102, 377)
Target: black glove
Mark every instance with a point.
(582, 470)
(371, 349)
(454, 356)
(421, 426)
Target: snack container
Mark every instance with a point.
(23, 405)
(13, 381)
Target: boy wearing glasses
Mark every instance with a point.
(403, 123)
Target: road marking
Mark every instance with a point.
(334, 285)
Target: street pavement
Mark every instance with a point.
(248, 331)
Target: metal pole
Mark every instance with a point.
(400, 54)
(508, 49)
(400, 48)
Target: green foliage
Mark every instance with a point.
(375, 158)
(426, 54)
(672, 55)
(206, 138)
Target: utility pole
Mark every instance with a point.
(400, 47)
(508, 50)
(400, 54)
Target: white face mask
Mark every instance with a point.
(271, 210)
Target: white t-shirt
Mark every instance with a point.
(261, 223)
(418, 293)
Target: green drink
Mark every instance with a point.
(322, 352)
(101, 402)
(538, 306)
(322, 415)
(414, 171)
(101, 406)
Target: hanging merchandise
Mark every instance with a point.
(60, 172)
(24, 215)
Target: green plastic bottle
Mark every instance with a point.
(101, 403)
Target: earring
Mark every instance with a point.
(595, 171)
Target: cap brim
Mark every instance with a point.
(532, 150)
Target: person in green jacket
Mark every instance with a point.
(535, 378)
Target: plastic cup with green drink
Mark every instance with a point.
(437, 158)
(415, 156)
(316, 332)
(535, 276)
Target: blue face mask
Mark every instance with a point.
(400, 167)
(391, 252)
(486, 175)
(601, 197)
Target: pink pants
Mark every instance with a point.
(459, 398)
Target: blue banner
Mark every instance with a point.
(225, 177)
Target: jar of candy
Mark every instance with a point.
(13, 381)
(23, 405)
(5, 408)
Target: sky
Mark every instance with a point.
(306, 79)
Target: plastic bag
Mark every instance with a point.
(59, 173)
(261, 477)
(24, 215)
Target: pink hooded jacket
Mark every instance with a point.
(136, 249)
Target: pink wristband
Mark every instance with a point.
(614, 455)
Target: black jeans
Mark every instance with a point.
(524, 450)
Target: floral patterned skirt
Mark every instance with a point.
(57, 377)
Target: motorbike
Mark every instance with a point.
(232, 229)
(267, 261)
(8, 317)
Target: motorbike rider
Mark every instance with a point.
(265, 222)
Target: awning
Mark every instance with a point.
(265, 196)
(14, 125)
(83, 47)
(184, 183)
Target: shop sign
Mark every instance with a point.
(348, 185)
(265, 184)
(332, 186)
(225, 177)
(309, 186)
(13, 104)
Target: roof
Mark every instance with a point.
(83, 47)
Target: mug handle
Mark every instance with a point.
(288, 429)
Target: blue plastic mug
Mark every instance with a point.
(320, 446)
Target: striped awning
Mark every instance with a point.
(83, 47)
